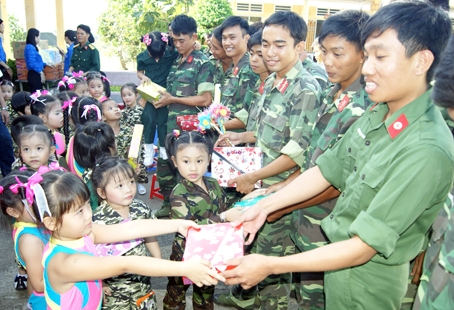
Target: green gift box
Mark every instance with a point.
(149, 91)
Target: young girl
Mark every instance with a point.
(114, 180)
(111, 115)
(91, 142)
(196, 198)
(16, 200)
(74, 84)
(20, 102)
(133, 111)
(67, 99)
(49, 109)
(73, 272)
(98, 86)
(8, 92)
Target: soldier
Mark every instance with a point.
(221, 61)
(85, 55)
(288, 109)
(189, 88)
(315, 70)
(382, 165)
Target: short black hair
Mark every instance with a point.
(20, 101)
(255, 39)
(345, 24)
(183, 25)
(291, 21)
(18, 124)
(233, 21)
(217, 34)
(419, 26)
(443, 89)
(71, 34)
(255, 27)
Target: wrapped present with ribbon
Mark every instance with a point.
(188, 122)
(230, 162)
(150, 91)
(216, 243)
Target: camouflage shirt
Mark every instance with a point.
(285, 117)
(193, 77)
(317, 72)
(106, 215)
(123, 141)
(131, 116)
(239, 78)
(219, 74)
(251, 125)
(436, 290)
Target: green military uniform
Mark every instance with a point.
(192, 77)
(334, 119)
(127, 288)
(285, 119)
(85, 58)
(318, 72)
(191, 202)
(157, 71)
(131, 116)
(243, 115)
(436, 290)
(219, 74)
(394, 176)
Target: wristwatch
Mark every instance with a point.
(4, 108)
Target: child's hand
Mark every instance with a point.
(200, 273)
(107, 291)
(184, 226)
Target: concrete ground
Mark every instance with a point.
(11, 299)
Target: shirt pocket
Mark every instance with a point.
(184, 85)
(370, 179)
(275, 133)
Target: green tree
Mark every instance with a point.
(17, 31)
(210, 14)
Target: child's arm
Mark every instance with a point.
(138, 229)
(66, 269)
(31, 250)
(153, 247)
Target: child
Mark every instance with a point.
(29, 239)
(133, 111)
(49, 109)
(196, 198)
(111, 115)
(98, 86)
(20, 103)
(91, 142)
(74, 84)
(114, 180)
(70, 261)
(8, 92)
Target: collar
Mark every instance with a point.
(190, 57)
(193, 188)
(344, 98)
(241, 63)
(288, 78)
(73, 244)
(24, 224)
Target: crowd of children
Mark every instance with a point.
(360, 128)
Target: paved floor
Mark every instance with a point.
(12, 299)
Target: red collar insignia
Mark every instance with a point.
(262, 88)
(343, 103)
(189, 59)
(235, 72)
(397, 126)
(373, 106)
(283, 85)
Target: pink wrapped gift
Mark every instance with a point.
(117, 248)
(216, 243)
(229, 162)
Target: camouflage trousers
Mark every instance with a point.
(125, 295)
(153, 119)
(166, 179)
(142, 176)
(175, 298)
(273, 239)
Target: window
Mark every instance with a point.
(249, 7)
(326, 11)
(252, 19)
(281, 8)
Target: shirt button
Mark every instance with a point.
(343, 194)
(331, 216)
(363, 176)
(354, 168)
(367, 143)
(349, 150)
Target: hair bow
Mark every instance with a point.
(1, 189)
(146, 39)
(29, 193)
(38, 94)
(105, 79)
(176, 133)
(68, 104)
(52, 166)
(78, 74)
(87, 108)
(164, 37)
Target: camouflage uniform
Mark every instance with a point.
(317, 72)
(286, 117)
(127, 288)
(131, 116)
(436, 290)
(333, 120)
(123, 142)
(191, 202)
(192, 77)
(219, 74)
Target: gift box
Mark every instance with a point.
(188, 122)
(216, 243)
(230, 162)
(149, 91)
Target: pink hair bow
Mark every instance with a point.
(105, 79)
(78, 74)
(38, 94)
(1, 189)
(68, 104)
(87, 108)
(164, 37)
(52, 166)
(147, 40)
(36, 178)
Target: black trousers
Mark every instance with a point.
(34, 81)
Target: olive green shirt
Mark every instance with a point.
(85, 58)
(394, 176)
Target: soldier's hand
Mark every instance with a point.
(249, 270)
(145, 80)
(252, 219)
(416, 271)
(233, 137)
(244, 183)
(184, 225)
(165, 100)
(233, 214)
(276, 187)
(199, 271)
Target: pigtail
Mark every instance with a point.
(85, 110)
(106, 84)
(171, 138)
(210, 138)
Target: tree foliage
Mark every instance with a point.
(17, 31)
(210, 14)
